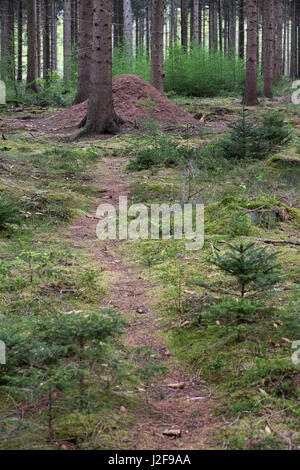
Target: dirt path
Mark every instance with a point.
(189, 409)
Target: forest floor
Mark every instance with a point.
(225, 393)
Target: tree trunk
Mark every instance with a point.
(294, 41)
(38, 36)
(184, 24)
(268, 48)
(20, 41)
(196, 22)
(32, 46)
(250, 98)
(157, 68)
(128, 26)
(279, 29)
(85, 38)
(241, 29)
(53, 37)
(7, 40)
(101, 117)
(46, 41)
(67, 40)
(232, 28)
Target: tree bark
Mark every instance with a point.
(157, 67)
(67, 39)
(128, 26)
(85, 39)
(268, 66)
(53, 37)
(241, 29)
(101, 117)
(196, 22)
(20, 41)
(279, 30)
(294, 41)
(184, 24)
(46, 41)
(32, 46)
(250, 98)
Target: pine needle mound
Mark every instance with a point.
(135, 101)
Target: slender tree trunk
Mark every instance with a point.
(85, 38)
(32, 46)
(250, 98)
(157, 68)
(196, 22)
(38, 37)
(128, 26)
(278, 58)
(294, 41)
(268, 48)
(232, 30)
(53, 37)
(241, 29)
(67, 39)
(184, 24)
(46, 41)
(20, 41)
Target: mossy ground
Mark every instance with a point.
(251, 374)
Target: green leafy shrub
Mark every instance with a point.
(163, 151)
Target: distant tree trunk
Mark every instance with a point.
(250, 98)
(53, 37)
(4, 39)
(196, 22)
(294, 41)
(232, 28)
(200, 22)
(128, 26)
(157, 68)
(67, 39)
(147, 32)
(7, 40)
(32, 46)
(101, 117)
(268, 48)
(118, 20)
(46, 41)
(172, 23)
(38, 36)
(279, 28)
(220, 26)
(85, 38)
(74, 21)
(241, 29)
(184, 24)
(20, 41)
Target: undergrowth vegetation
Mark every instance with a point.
(231, 310)
(197, 72)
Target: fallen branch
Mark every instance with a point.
(273, 242)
